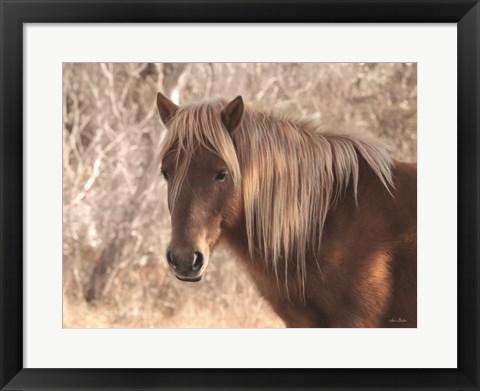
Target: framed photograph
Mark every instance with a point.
(239, 195)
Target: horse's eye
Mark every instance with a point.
(220, 177)
(165, 175)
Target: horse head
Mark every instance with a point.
(203, 192)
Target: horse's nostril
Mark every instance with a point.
(170, 260)
(197, 260)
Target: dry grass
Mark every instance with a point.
(116, 224)
(141, 297)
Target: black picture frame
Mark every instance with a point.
(14, 13)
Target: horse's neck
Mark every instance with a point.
(370, 192)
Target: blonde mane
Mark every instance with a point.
(290, 174)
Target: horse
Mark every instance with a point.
(324, 222)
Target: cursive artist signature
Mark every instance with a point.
(397, 320)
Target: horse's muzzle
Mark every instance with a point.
(186, 265)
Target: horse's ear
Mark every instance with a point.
(166, 108)
(232, 114)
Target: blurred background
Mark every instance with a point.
(116, 223)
